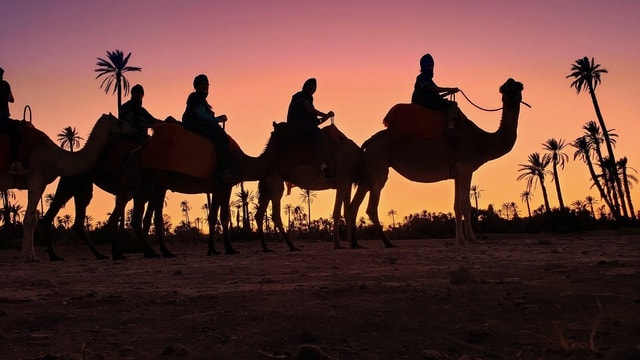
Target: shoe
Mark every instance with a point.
(16, 168)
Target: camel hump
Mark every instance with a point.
(333, 133)
(31, 137)
(413, 121)
(174, 148)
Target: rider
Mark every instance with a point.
(431, 96)
(200, 118)
(306, 118)
(10, 127)
(133, 112)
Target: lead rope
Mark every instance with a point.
(485, 109)
(24, 113)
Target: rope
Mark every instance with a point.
(484, 109)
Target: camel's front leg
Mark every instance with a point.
(35, 192)
(352, 213)
(343, 195)
(222, 201)
(374, 201)
(462, 209)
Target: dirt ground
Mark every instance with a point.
(513, 297)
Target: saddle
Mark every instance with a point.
(174, 148)
(30, 138)
(413, 121)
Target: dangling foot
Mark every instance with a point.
(16, 168)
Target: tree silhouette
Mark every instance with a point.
(113, 69)
(6, 195)
(185, 208)
(622, 165)
(69, 138)
(288, 209)
(526, 197)
(534, 172)
(307, 197)
(587, 76)
(583, 151)
(590, 201)
(557, 158)
(393, 213)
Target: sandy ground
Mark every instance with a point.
(513, 297)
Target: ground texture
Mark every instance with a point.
(513, 297)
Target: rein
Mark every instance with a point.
(484, 109)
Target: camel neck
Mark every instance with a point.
(83, 160)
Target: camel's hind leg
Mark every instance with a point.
(82, 198)
(220, 200)
(271, 190)
(352, 213)
(372, 208)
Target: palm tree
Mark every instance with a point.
(534, 172)
(113, 69)
(184, 207)
(393, 213)
(475, 194)
(526, 196)
(307, 196)
(558, 158)
(622, 165)
(69, 138)
(583, 151)
(590, 201)
(245, 197)
(586, 74)
(288, 209)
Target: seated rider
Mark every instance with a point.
(200, 118)
(133, 112)
(303, 116)
(10, 127)
(431, 96)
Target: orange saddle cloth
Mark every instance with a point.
(412, 121)
(30, 138)
(174, 148)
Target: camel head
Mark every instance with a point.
(511, 92)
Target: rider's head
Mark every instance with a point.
(310, 85)
(426, 62)
(201, 83)
(137, 89)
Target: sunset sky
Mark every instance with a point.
(365, 56)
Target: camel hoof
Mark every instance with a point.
(338, 247)
(390, 246)
(213, 252)
(98, 257)
(231, 251)
(266, 251)
(54, 257)
(118, 257)
(356, 246)
(30, 259)
(150, 255)
(168, 255)
(293, 248)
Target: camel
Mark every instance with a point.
(293, 166)
(119, 171)
(46, 161)
(436, 159)
(246, 168)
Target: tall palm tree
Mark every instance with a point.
(474, 192)
(393, 213)
(622, 165)
(69, 138)
(534, 171)
(586, 74)
(113, 69)
(526, 197)
(596, 138)
(307, 197)
(558, 158)
(590, 201)
(245, 197)
(583, 151)
(185, 208)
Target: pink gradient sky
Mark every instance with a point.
(365, 57)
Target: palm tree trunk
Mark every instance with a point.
(528, 208)
(605, 132)
(601, 190)
(556, 179)
(545, 197)
(628, 192)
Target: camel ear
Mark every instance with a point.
(274, 124)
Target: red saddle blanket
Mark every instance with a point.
(412, 121)
(174, 148)
(30, 138)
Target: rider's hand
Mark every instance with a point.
(330, 114)
(222, 118)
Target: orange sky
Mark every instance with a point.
(363, 53)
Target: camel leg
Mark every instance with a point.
(374, 200)
(263, 204)
(45, 224)
(223, 204)
(343, 194)
(462, 209)
(82, 198)
(137, 213)
(156, 205)
(352, 213)
(36, 188)
(213, 220)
